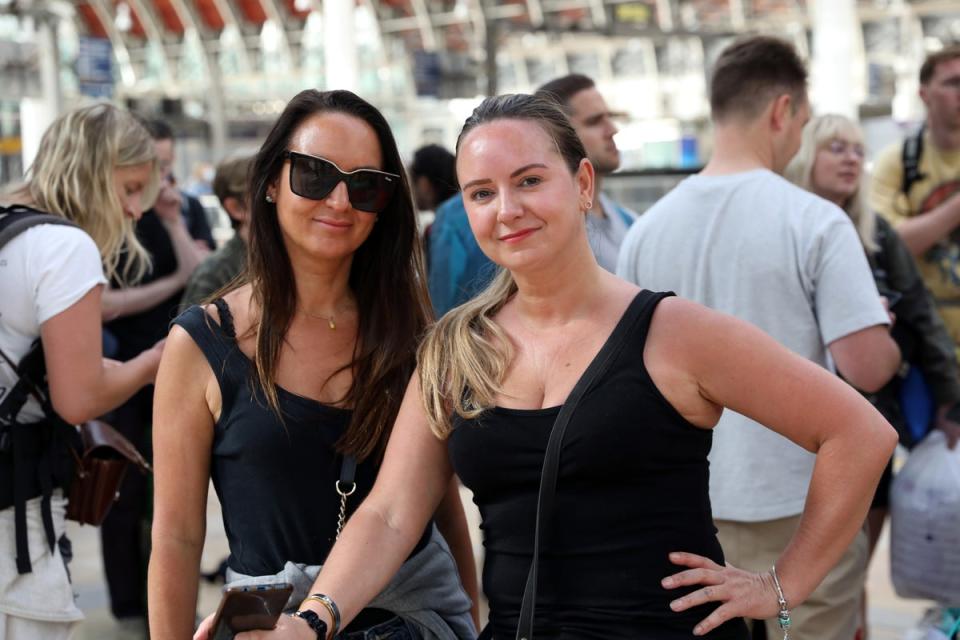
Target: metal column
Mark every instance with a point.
(340, 45)
(838, 68)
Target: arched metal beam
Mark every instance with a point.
(428, 37)
(272, 10)
(217, 103)
(598, 13)
(154, 35)
(478, 21)
(535, 12)
(120, 51)
(665, 15)
(232, 21)
(738, 16)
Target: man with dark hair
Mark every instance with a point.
(457, 269)
(739, 238)
(752, 72)
(434, 176)
(916, 185)
(607, 221)
(230, 184)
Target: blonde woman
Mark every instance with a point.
(95, 168)
(830, 164)
(632, 551)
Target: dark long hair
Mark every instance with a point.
(386, 276)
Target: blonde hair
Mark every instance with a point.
(464, 357)
(819, 132)
(73, 176)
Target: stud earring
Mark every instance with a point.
(588, 205)
(269, 198)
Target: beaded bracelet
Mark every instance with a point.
(783, 617)
(330, 606)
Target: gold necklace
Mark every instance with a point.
(329, 319)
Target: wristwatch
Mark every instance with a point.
(312, 619)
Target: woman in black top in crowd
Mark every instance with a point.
(274, 387)
(632, 551)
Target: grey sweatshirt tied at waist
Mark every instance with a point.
(425, 592)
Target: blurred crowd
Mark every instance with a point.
(336, 371)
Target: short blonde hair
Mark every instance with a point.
(73, 176)
(819, 132)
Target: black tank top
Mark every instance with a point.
(632, 487)
(275, 481)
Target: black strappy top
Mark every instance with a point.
(275, 481)
(632, 487)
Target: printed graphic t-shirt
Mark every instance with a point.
(940, 179)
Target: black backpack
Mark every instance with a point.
(910, 154)
(34, 458)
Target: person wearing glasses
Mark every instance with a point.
(916, 185)
(830, 164)
(284, 390)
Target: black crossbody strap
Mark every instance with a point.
(12, 403)
(910, 155)
(16, 398)
(551, 462)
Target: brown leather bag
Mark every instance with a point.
(101, 464)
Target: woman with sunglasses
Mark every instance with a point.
(284, 390)
(631, 551)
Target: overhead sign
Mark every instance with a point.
(634, 13)
(427, 73)
(95, 67)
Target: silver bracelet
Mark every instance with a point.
(783, 617)
(330, 606)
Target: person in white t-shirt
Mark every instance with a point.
(95, 167)
(741, 239)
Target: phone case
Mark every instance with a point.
(249, 608)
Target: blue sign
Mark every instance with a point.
(95, 67)
(427, 73)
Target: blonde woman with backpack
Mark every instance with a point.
(94, 173)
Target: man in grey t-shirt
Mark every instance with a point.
(607, 221)
(740, 239)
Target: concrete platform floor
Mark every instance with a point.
(889, 616)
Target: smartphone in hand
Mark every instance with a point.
(249, 608)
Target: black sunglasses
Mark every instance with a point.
(314, 178)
